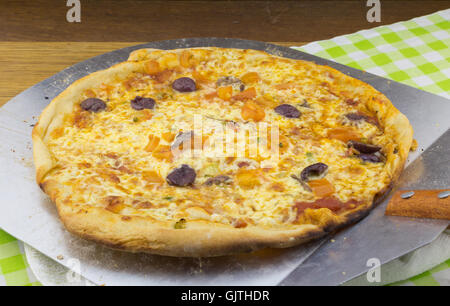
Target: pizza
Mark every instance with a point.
(213, 151)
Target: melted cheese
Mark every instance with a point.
(104, 154)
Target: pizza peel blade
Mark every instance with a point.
(31, 217)
(379, 238)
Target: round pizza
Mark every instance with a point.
(212, 151)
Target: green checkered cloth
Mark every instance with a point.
(439, 275)
(415, 52)
(14, 270)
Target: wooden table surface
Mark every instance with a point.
(23, 64)
(145, 20)
(36, 41)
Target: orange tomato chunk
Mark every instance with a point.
(199, 77)
(211, 95)
(163, 76)
(169, 137)
(250, 77)
(248, 179)
(225, 93)
(321, 188)
(89, 93)
(252, 111)
(152, 177)
(343, 134)
(163, 153)
(185, 59)
(146, 114)
(152, 67)
(153, 142)
(247, 94)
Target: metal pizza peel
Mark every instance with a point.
(31, 217)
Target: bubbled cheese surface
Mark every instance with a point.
(103, 158)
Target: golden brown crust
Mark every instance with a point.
(199, 238)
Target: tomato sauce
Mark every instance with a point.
(331, 203)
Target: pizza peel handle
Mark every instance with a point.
(433, 204)
(381, 238)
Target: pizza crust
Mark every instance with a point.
(199, 238)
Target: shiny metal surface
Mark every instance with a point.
(30, 216)
(407, 194)
(379, 236)
(444, 194)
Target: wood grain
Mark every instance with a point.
(23, 64)
(423, 204)
(140, 20)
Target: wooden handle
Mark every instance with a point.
(423, 204)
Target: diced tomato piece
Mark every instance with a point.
(344, 134)
(153, 142)
(163, 76)
(211, 95)
(152, 177)
(163, 153)
(331, 203)
(147, 114)
(250, 77)
(225, 93)
(169, 137)
(248, 179)
(89, 93)
(199, 77)
(185, 59)
(248, 94)
(321, 188)
(252, 111)
(152, 67)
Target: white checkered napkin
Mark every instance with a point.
(414, 52)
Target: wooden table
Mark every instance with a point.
(145, 20)
(23, 64)
(36, 41)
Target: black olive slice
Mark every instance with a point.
(363, 147)
(313, 171)
(94, 105)
(182, 176)
(287, 111)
